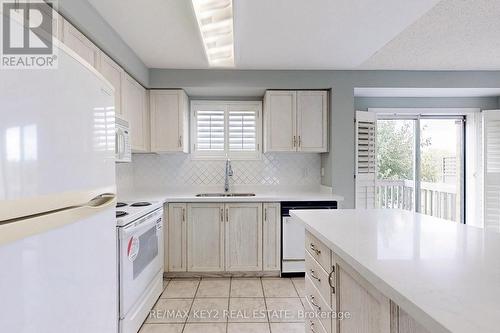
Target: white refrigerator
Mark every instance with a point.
(58, 261)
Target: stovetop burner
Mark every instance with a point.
(141, 204)
(120, 213)
(120, 204)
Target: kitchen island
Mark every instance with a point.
(398, 271)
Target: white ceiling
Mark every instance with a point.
(426, 92)
(318, 34)
(454, 35)
(163, 33)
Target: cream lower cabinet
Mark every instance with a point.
(401, 322)
(369, 309)
(271, 244)
(243, 237)
(218, 237)
(333, 285)
(205, 237)
(176, 247)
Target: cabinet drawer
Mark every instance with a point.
(319, 251)
(320, 279)
(312, 324)
(318, 304)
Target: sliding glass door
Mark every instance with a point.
(441, 167)
(395, 149)
(420, 164)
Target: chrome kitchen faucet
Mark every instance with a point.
(229, 173)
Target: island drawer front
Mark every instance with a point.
(319, 278)
(319, 251)
(312, 322)
(317, 303)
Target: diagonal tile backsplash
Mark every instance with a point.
(150, 171)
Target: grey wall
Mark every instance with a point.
(339, 163)
(82, 15)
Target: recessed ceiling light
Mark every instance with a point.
(215, 20)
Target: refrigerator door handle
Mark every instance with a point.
(116, 143)
(37, 224)
(101, 201)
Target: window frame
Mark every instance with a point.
(226, 106)
(417, 114)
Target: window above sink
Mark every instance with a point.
(226, 129)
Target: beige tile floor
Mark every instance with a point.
(228, 305)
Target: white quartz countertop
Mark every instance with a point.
(445, 275)
(260, 196)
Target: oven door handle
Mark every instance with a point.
(135, 227)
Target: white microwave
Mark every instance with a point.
(123, 149)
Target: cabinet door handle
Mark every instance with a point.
(314, 276)
(222, 215)
(180, 140)
(330, 279)
(265, 214)
(300, 141)
(311, 326)
(183, 214)
(313, 247)
(294, 141)
(311, 299)
(227, 214)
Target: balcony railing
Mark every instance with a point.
(437, 199)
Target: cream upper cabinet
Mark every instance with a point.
(244, 237)
(175, 249)
(131, 99)
(312, 121)
(296, 121)
(205, 237)
(280, 114)
(134, 109)
(169, 121)
(80, 44)
(271, 246)
(114, 74)
(57, 20)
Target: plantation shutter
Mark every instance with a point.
(491, 169)
(365, 172)
(210, 130)
(242, 130)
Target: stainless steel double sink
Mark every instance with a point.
(224, 195)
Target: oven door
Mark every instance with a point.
(140, 256)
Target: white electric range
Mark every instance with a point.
(140, 260)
